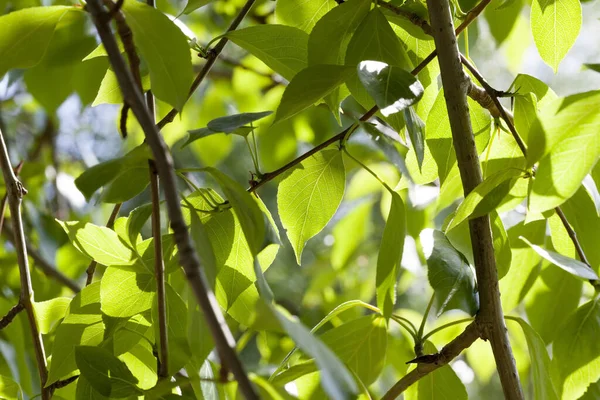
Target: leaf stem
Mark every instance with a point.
(427, 310)
(442, 327)
(159, 274)
(369, 170)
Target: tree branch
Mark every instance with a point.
(16, 191)
(213, 54)
(431, 362)
(11, 314)
(456, 85)
(4, 203)
(159, 273)
(91, 269)
(224, 342)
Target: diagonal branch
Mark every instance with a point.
(456, 85)
(430, 363)
(11, 314)
(224, 341)
(16, 191)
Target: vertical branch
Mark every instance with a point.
(456, 85)
(109, 224)
(159, 273)
(4, 201)
(224, 342)
(16, 191)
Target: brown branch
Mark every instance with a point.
(210, 61)
(429, 363)
(47, 269)
(224, 342)
(63, 383)
(159, 273)
(11, 314)
(91, 269)
(16, 191)
(456, 85)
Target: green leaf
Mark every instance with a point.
(282, 48)
(502, 251)
(572, 266)
(247, 210)
(105, 372)
(109, 91)
(486, 196)
(9, 389)
(48, 313)
(309, 195)
(570, 136)
(416, 132)
(165, 49)
(193, 5)
(542, 373)
(392, 88)
(576, 352)
(86, 391)
(390, 255)
(26, 35)
(374, 39)
(309, 86)
(126, 293)
(142, 363)
(230, 123)
(593, 67)
(336, 380)
(178, 346)
(555, 26)
(556, 290)
(502, 18)
(361, 344)
(135, 222)
(303, 15)
(82, 326)
(102, 245)
(328, 40)
(122, 178)
(439, 134)
(451, 277)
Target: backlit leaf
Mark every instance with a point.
(48, 313)
(165, 49)
(126, 293)
(282, 48)
(309, 195)
(555, 26)
(302, 14)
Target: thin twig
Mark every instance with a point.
(91, 269)
(490, 318)
(11, 314)
(224, 341)
(429, 363)
(16, 191)
(5, 198)
(159, 273)
(210, 61)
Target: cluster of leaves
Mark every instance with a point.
(354, 214)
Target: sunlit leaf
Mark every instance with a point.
(555, 26)
(48, 313)
(282, 48)
(165, 49)
(126, 293)
(309, 195)
(303, 15)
